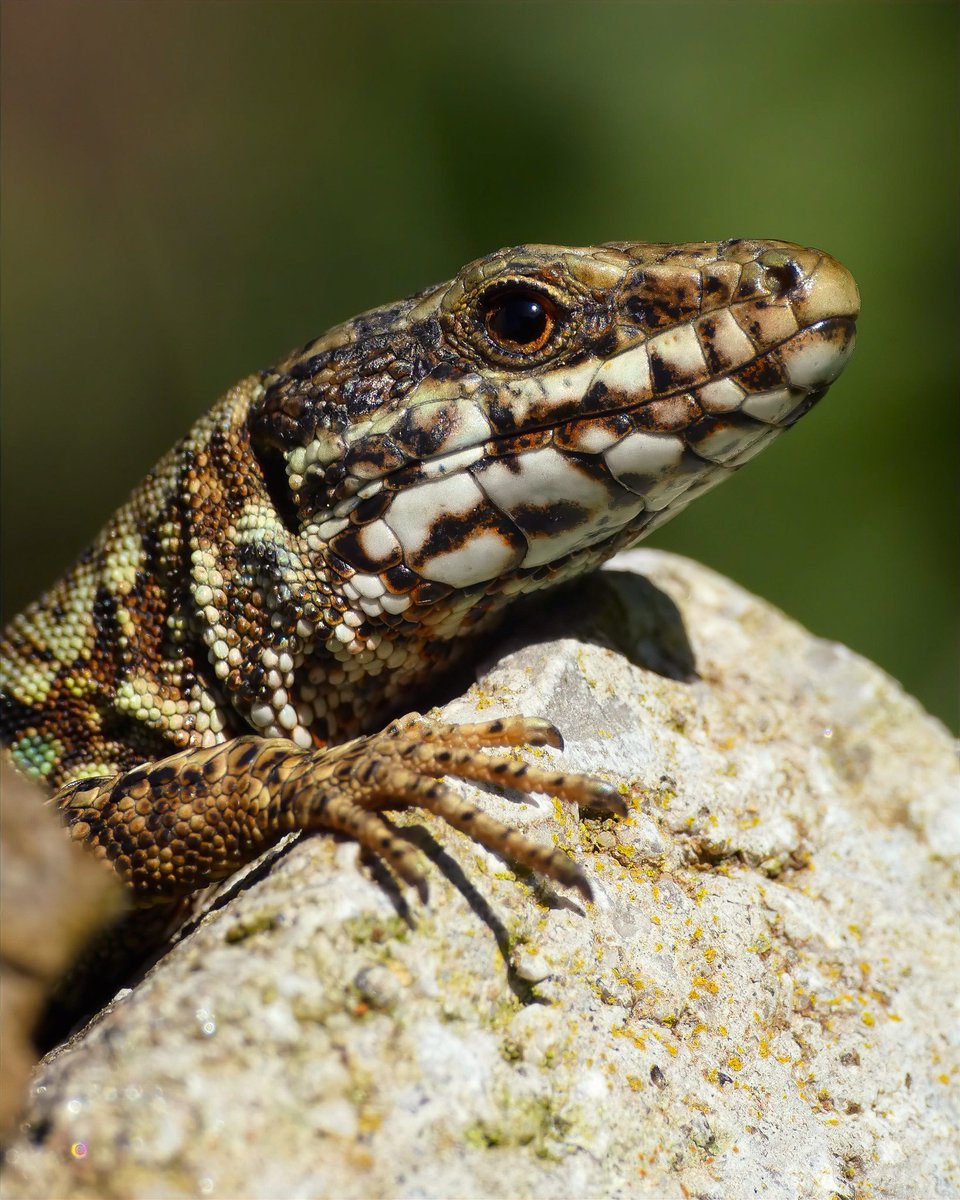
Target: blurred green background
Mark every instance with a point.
(189, 190)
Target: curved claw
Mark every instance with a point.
(542, 733)
(597, 793)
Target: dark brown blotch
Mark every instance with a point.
(761, 375)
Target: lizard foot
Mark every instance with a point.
(402, 768)
(173, 826)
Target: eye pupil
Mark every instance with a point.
(518, 318)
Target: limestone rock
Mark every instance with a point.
(762, 1001)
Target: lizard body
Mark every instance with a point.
(339, 529)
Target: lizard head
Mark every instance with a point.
(548, 406)
(515, 427)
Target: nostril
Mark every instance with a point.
(779, 278)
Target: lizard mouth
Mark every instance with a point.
(469, 488)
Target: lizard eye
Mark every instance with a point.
(519, 319)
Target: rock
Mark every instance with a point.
(761, 1001)
(54, 899)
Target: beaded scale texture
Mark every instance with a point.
(338, 530)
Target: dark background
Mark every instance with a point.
(191, 189)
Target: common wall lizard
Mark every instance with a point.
(339, 529)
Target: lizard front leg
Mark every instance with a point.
(176, 825)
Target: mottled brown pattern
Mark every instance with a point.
(335, 531)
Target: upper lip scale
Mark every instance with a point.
(599, 413)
